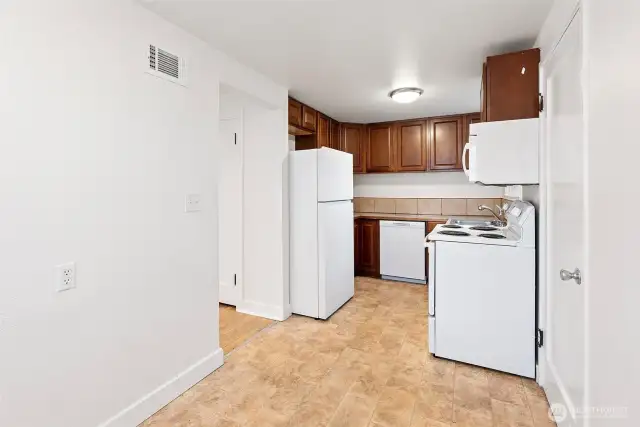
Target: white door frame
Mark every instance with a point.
(543, 209)
(545, 276)
(239, 288)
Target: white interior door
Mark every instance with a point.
(564, 350)
(230, 211)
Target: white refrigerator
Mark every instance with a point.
(320, 231)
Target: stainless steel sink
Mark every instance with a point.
(469, 222)
(475, 222)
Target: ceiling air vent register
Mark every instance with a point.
(166, 65)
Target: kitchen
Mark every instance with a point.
(477, 256)
(496, 146)
(395, 183)
(240, 219)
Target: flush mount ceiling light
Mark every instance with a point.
(404, 95)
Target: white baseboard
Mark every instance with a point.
(287, 311)
(161, 396)
(254, 308)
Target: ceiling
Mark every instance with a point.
(343, 57)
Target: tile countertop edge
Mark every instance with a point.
(411, 217)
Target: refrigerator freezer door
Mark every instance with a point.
(335, 256)
(335, 175)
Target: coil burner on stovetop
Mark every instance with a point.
(451, 226)
(483, 228)
(491, 236)
(454, 233)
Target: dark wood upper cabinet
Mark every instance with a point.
(323, 131)
(308, 118)
(334, 135)
(511, 85)
(298, 113)
(352, 142)
(321, 138)
(411, 146)
(445, 141)
(369, 250)
(295, 113)
(380, 147)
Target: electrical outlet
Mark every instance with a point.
(192, 203)
(65, 276)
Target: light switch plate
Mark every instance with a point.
(192, 203)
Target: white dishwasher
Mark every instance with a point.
(402, 253)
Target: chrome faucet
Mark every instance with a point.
(499, 222)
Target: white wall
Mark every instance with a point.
(611, 36)
(555, 25)
(96, 159)
(421, 185)
(265, 205)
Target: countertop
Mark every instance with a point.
(410, 217)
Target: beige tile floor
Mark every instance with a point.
(236, 328)
(366, 366)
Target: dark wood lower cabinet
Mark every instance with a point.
(356, 247)
(367, 251)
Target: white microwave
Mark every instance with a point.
(503, 153)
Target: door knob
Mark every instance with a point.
(566, 275)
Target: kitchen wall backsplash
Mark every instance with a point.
(431, 206)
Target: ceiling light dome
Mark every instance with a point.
(404, 95)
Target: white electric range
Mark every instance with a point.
(482, 291)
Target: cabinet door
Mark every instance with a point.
(512, 86)
(308, 117)
(322, 132)
(380, 148)
(469, 119)
(445, 140)
(334, 135)
(370, 247)
(352, 143)
(357, 242)
(412, 146)
(295, 113)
